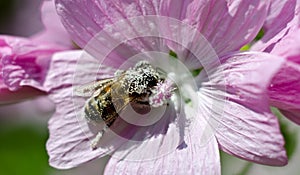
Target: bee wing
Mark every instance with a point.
(120, 103)
(89, 89)
(119, 97)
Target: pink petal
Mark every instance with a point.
(123, 40)
(289, 46)
(227, 25)
(192, 156)
(161, 34)
(282, 38)
(247, 128)
(159, 131)
(37, 110)
(23, 62)
(284, 90)
(280, 13)
(253, 136)
(7, 96)
(282, 16)
(84, 18)
(54, 31)
(190, 160)
(69, 141)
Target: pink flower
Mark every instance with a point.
(225, 106)
(24, 62)
(282, 37)
(23, 68)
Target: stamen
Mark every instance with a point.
(161, 93)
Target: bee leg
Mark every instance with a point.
(96, 140)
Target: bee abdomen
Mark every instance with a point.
(99, 111)
(109, 113)
(93, 111)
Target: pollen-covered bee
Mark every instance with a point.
(110, 96)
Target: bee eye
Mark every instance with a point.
(152, 81)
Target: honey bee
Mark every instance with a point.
(110, 96)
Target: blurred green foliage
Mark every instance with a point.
(290, 135)
(245, 47)
(260, 35)
(22, 149)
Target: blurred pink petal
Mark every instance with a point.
(23, 66)
(23, 63)
(292, 114)
(54, 31)
(247, 121)
(37, 110)
(7, 96)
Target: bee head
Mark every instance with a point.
(141, 78)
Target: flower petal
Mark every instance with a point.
(289, 46)
(7, 96)
(282, 38)
(280, 13)
(84, 18)
(99, 27)
(247, 128)
(130, 38)
(253, 136)
(189, 160)
(282, 16)
(23, 62)
(227, 25)
(54, 31)
(284, 90)
(192, 156)
(70, 135)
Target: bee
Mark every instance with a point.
(110, 96)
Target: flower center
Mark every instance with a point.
(146, 85)
(159, 81)
(161, 93)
